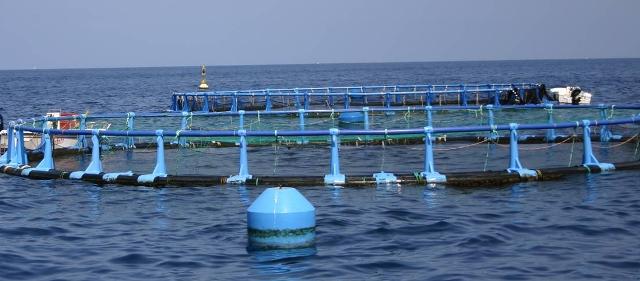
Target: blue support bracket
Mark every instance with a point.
(131, 121)
(385, 178)
(243, 175)
(514, 158)
(160, 169)
(301, 113)
(429, 96)
(335, 177)
(551, 133)
(18, 154)
(95, 167)
(588, 159)
(493, 134)
(429, 173)
(47, 163)
(184, 125)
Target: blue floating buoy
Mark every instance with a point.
(281, 218)
(351, 117)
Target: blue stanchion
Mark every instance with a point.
(588, 159)
(334, 177)
(514, 157)
(160, 170)
(243, 175)
(429, 173)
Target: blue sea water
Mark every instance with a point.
(580, 227)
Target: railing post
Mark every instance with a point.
(267, 101)
(334, 177)
(307, 101)
(205, 104)
(174, 102)
(95, 167)
(429, 96)
(296, 92)
(429, 173)
(493, 135)
(241, 119)
(186, 107)
(551, 133)
(82, 139)
(347, 101)
(131, 121)
(514, 158)
(605, 132)
(365, 112)
(16, 155)
(243, 174)
(160, 170)
(234, 102)
(463, 93)
(387, 100)
(427, 111)
(182, 142)
(9, 154)
(588, 159)
(496, 98)
(47, 162)
(301, 114)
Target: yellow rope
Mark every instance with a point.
(616, 145)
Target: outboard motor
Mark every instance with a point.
(575, 96)
(542, 88)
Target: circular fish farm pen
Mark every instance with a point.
(460, 135)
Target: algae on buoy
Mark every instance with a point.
(203, 81)
(281, 218)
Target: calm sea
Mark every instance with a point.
(581, 227)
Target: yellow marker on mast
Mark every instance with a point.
(203, 82)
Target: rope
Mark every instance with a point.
(276, 149)
(486, 159)
(549, 146)
(616, 145)
(572, 146)
(382, 157)
(635, 153)
(461, 147)
(611, 112)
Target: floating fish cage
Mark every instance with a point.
(464, 135)
(360, 96)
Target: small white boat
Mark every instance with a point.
(33, 141)
(571, 95)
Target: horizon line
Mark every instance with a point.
(320, 63)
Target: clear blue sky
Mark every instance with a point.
(119, 33)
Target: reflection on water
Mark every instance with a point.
(591, 189)
(244, 195)
(161, 220)
(94, 194)
(433, 194)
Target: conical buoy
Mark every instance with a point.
(281, 218)
(203, 81)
